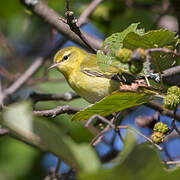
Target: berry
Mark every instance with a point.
(174, 90)
(171, 102)
(161, 127)
(157, 137)
(123, 55)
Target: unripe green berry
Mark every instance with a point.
(157, 137)
(123, 55)
(171, 102)
(174, 90)
(161, 127)
(135, 67)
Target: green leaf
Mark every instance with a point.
(110, 45)
(115, 41)
(141, 163)
(118, 101)
(128, 148)
(17, 158)
(45, 135)
(130, 140)
(154, 39)
(151, 39)
(133, 38)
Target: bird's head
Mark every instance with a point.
(68, 59)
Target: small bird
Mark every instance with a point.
(83, 74)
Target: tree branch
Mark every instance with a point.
(75, 24)
(171, 76)
(87, 12)
(51, 17)
(113, 127)
(36, 97)
(22, 79)
(3, 132)
(173, 162)
(29, 72)
(57, 111)
(159, 107)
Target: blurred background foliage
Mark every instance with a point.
(24, 36)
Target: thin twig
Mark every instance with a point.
(103, 119)
(72, 22)
(36, 97)
(29, 72)
(145, 137)
(57, 111)
(25, 76)
(51, 17)
(165, 50)
(95, 142)
(173, 124)
(87, 12)
(112, 127)
(57, 167)
(22, 79)
(159, 107)
(167, 153)
(99, 136)
(172, 162)
(67, 5)
(117, 130)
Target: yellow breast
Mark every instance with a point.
(91, 88)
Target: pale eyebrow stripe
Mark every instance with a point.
(68, 53)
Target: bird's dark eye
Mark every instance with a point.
(65, 57)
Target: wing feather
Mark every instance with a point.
(90, 67)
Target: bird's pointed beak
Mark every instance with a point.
(53, 66)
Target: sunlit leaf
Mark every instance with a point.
(154, 39)
(118, 101)
(115, 41)
(133, 38)
(110, 45)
